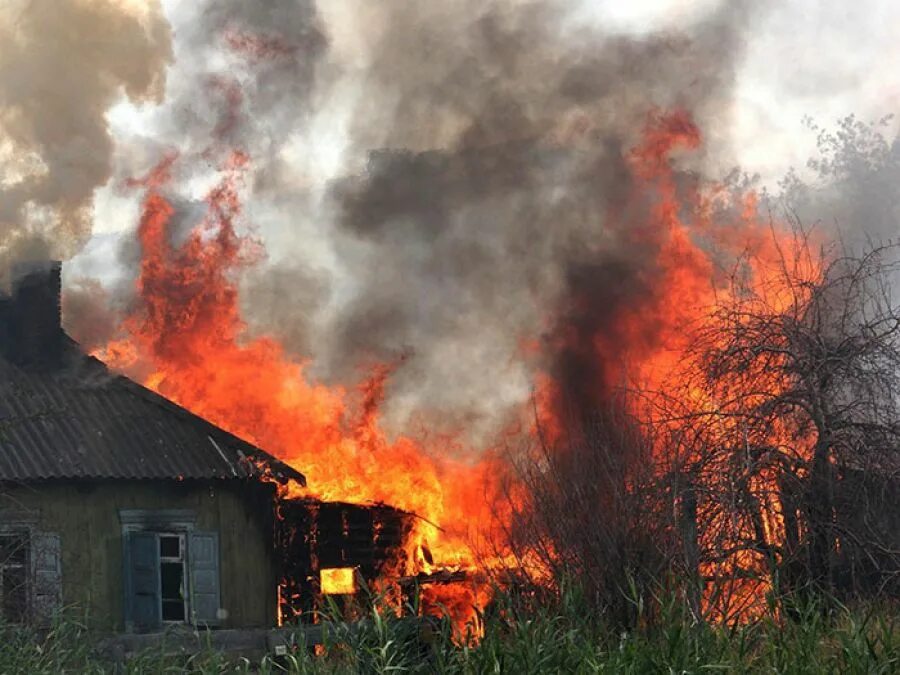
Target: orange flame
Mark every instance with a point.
(186, 339)
(188, 342)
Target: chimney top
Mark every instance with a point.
(30, 315)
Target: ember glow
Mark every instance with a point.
(338, 581)
(186, 339)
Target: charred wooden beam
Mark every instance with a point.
(313, 535)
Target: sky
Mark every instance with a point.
(823, 59)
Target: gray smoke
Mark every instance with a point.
(488, 218)
(63, 63)
(472, 154)
(852, 186)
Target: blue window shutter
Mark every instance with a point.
(143, 610)
(203, 554)
(46, 577)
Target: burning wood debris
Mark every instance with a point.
(333, 548)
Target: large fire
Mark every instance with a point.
(185, 338)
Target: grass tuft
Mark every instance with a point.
(558, 637)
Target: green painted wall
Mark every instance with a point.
(86, 516)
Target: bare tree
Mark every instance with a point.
(770, 462)
(788, 420)
(590, 509)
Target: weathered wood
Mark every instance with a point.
(86, 517)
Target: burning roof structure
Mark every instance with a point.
(67, 422)
(64, 415)
(193, 508)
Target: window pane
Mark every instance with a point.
(173, 610)
(171, 576)
(13, 593)
(169, 546)
(12, 549)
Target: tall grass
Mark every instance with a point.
(560, 637)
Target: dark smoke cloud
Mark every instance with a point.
(489, 217)
(63, 63)
(268, 292)
(478, 152)
(86, 299)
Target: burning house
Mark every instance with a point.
(115, 500)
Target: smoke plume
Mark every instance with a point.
(442, 184)
(63, 63)
(852, 190)
(503, 204)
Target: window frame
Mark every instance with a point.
(182, 559)
(166, 522)
(180, 522)
(25, 532)
(43, 584)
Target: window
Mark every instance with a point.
(337, 580)
(14, 564)
(30, 574)
(171, 577)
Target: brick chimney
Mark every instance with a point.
(30, 317)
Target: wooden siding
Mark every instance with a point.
(86, 516)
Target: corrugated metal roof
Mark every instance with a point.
(83, 422)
